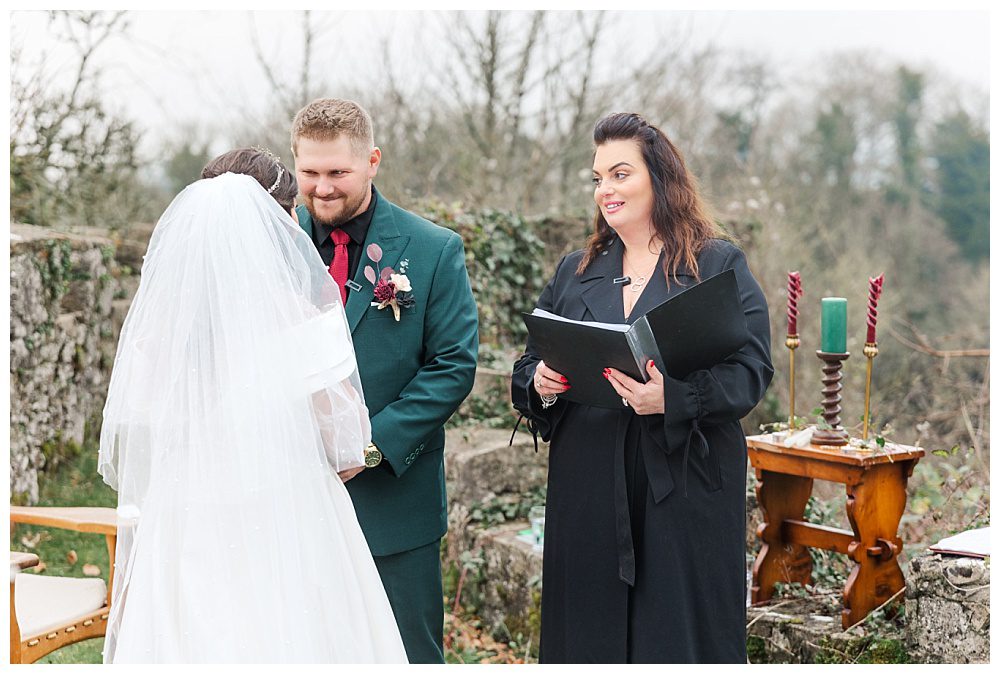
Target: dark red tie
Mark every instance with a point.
(340, 264)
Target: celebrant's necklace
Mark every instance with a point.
(640, 281)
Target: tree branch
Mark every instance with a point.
(923, 346)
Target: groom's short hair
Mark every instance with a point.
(329, 118)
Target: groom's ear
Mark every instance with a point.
(374, 160)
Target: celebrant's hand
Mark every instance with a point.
(643, 398)
(547, 381)
(346, 475)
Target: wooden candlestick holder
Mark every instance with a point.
(833, 364)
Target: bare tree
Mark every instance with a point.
(500, 69)
(290, 91)
(73, 162)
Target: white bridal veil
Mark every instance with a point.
(233, 401)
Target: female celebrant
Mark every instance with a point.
(644, 557)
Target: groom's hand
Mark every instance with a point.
(346, 475)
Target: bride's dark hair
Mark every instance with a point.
(262, 166)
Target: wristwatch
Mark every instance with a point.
(373, 456)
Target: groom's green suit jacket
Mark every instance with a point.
(414, 372)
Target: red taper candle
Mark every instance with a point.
(874, 293)
(794, 293)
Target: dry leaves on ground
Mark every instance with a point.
(31, 541)
(461, 637)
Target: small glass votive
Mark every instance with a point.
(536, 516)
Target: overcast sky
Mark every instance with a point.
(182, 67)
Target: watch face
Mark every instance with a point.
(372, 458)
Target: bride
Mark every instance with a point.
(234, 401)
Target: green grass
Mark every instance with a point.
(75, 483)
(82, 653)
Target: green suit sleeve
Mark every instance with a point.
(451, 347)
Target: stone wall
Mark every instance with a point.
(68, 297)
(501, 581)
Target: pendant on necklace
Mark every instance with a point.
(638, 284)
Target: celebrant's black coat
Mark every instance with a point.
(634, 570)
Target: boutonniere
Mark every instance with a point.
(391, 289)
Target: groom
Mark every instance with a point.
(416, 340)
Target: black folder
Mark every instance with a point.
(693, 330)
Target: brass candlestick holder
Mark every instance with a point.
(792, 342)
(833, 364)
(870, 351)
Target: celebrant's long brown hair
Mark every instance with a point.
(680, 218)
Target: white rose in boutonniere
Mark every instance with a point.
(401, 282)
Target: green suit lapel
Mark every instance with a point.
(382, 231)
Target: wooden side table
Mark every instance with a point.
(876, 497)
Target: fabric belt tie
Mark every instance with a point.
(702, 452)
(623, 520)
(661, 482)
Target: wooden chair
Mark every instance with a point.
(49, 612)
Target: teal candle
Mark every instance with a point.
(833, 325)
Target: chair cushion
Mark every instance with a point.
(46, 602)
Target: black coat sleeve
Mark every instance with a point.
(728, 391)
(522, 392)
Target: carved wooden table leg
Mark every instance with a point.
(780, 497)
(874, 508)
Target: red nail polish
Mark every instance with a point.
(564, 380)
(649, 363)
(605, 375)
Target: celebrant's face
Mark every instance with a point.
(623, 189)
(334, 179)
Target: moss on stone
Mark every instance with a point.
(866, 650)
(885, 651)
(756, 650)
(58, 451)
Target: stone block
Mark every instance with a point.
(512, 597)
(948, 609)
(807, 630)
(479, 464)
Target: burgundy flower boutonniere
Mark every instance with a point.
(391, 289)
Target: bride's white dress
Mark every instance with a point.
(233, 403)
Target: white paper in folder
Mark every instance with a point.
(972, 543)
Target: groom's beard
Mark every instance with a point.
(336, 210)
